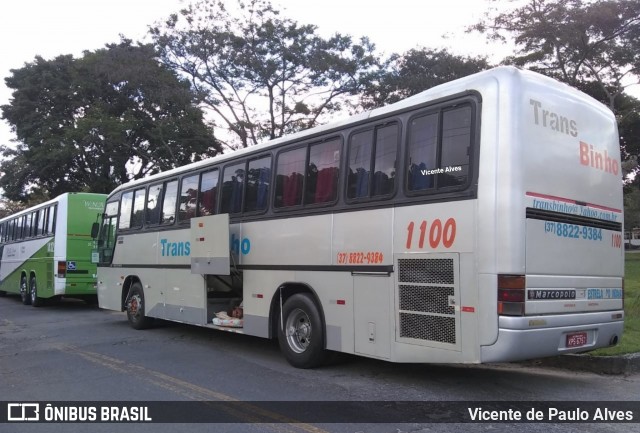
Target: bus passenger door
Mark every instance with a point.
(373, 298)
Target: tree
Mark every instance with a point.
(632, 209)
(8, 207)
(260, 75)
(591, 45)
(92, 123)
(417, 70)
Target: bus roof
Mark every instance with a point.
(45, 204)
(501, 74)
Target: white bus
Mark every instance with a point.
(478, 221)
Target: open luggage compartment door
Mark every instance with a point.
(210, 245)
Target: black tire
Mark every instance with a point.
(135, 307)
(302, 339)
(3, 293)
(24, 291)
(33, 294)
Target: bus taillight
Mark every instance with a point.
(511, 295)
(62, 269)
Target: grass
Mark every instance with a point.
(630, 342)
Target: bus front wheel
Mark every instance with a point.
(301, 335)
(135, 308)
(24, 291)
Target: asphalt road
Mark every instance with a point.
(73, 352)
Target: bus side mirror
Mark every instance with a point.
(95, 229)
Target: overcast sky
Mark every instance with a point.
(53, 27)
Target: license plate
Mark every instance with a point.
(577, 339)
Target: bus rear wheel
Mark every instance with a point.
(302, 339)
(24, 291)
(135, 308)
(33, 294)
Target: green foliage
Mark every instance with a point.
(92, 123)
(630, 341)
(261, 75)
(632, 208)
(628, 109)
(8, 207)
(417, 70)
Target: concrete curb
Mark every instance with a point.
(622, 364)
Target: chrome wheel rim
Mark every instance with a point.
(33, 293)
(23, 288)
(299, 330)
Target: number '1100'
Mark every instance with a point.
(438, 233)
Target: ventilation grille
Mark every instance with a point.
(430, 328)
(428, 271)
(426, 299)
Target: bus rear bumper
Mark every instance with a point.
(529, 337)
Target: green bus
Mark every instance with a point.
(46, 250)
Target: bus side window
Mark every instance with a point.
(169, 202)
(106, 239)
(258, 180)
(456, 143)
(208, 193)
(51, 228)
(32, 219)
(125, 210)
(153, 204)
(188, 198)
(423, 138)
(322, 172)
(290, 177)
(138, 208)
(20, 228)
(360, 147)
(384, 163)
(232, 187)
(42, 222)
